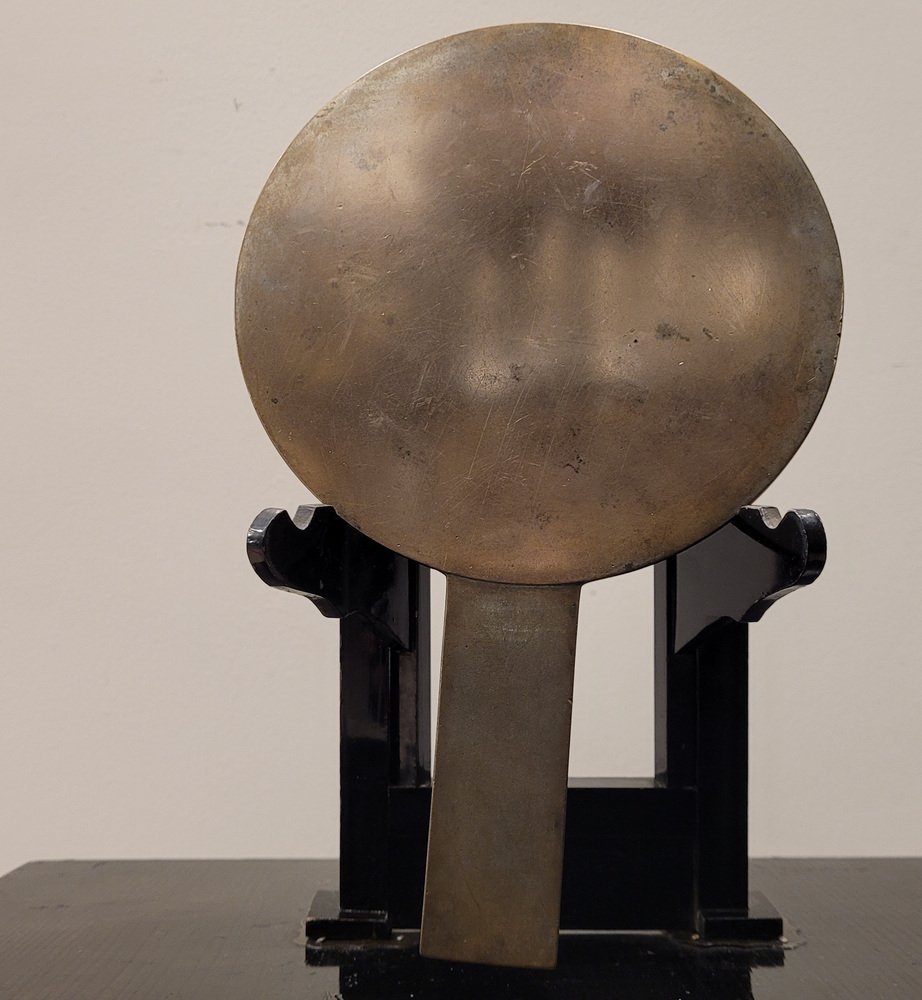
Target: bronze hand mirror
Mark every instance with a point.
(533, 305)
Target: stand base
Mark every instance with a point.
(327, 922)
(333, 932)
(762, 922)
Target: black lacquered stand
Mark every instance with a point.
(667, 853)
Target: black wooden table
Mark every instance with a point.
(178, 930)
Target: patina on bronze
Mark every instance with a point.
(534, 305)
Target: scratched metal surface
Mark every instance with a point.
(539, 303)
(499, 795)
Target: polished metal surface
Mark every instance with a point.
(534, 304)
(499, 798)
(539, 303)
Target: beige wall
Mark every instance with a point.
(157, 700)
